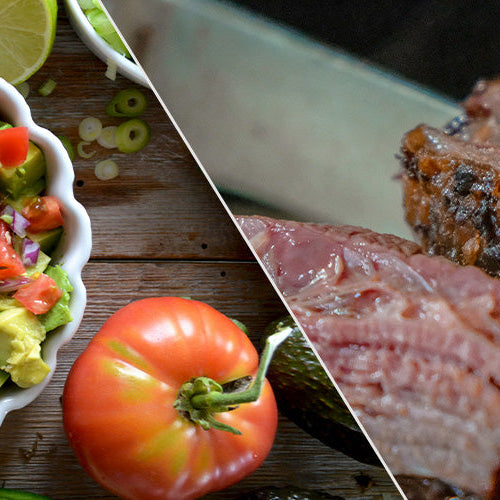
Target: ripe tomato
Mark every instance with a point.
(11, 264)
(118, 402)
(43, 213)
(14, 145)
(40, 295)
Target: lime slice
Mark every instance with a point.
(27, 32)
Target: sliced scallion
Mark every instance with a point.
(81, 151)
(129, 103)
(47, 87)
(68, 146)
(132, 135)
(107, 138)
(106, 170)
(90, 129)
(111, 70)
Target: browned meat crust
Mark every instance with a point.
(451, 195)
(451, 182)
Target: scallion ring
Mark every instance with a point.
(106, 170)
(129, 103)
(68, 146)
(107, 138)
(47, 87)
(132, 135)
(81, 152)
(89, 129)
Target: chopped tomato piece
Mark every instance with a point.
(40, 295)
(14, 144)
(43, 213)
(11, 264)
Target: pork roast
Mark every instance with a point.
(412, 340)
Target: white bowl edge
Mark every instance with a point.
(74, 250)
(99, 47)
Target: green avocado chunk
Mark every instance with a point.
(47, 240)
(4, 376)
(21, 334)
(14, 181)
(60, 314)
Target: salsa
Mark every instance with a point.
(34, 292)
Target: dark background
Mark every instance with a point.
(446, 45)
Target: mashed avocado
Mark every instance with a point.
(20, 336)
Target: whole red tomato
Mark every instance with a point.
(119, 398)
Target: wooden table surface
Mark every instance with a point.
(158, 229)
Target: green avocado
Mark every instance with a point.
(306, 395)
(14, 181)
(21, 334)
(47, 240)
(60, 313)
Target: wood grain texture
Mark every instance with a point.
(158, 229)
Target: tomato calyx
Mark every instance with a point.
(200, 398)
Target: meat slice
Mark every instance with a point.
(412, 340)
(451, 182)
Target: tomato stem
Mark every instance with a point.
(201, 397)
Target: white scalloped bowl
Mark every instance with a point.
(73, 251)
(127, 68)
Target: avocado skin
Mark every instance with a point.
(287, 493)
(305, 394)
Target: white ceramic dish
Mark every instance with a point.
(73, 251)
(99, 47)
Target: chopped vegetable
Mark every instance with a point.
(43, 213)
(89, 129)
(29, 252)
(15, 220)
(132, 135)
(106, 170)
(105, 29)
(129, 103)
(12, 284)
(47, 87)
(24, 89)
(107, 139)
(11, 264)
(81, 152)
(14, 145)
(68, 146)
(111, 69)
(40, 295)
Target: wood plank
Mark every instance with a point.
(35, 454)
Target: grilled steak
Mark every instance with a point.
(451, 183)
(412, 340)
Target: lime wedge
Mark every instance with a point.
(27, 32)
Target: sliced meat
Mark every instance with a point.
(412, 340)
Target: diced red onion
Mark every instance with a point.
(12, 284)
(29, 252)
(19, 223)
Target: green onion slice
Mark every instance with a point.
(132, 135)
(81, 152)
(90, 129)
(68, 146)
(47, 87)
(129, 103)
(107, 138)
(106, 169)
